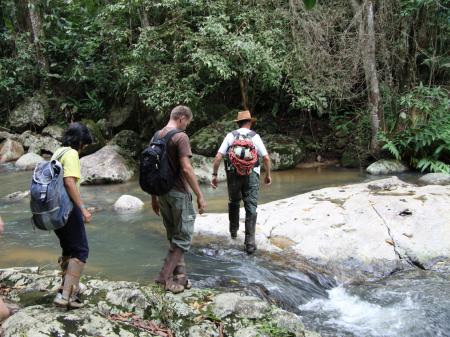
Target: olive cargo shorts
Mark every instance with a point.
(178, 215)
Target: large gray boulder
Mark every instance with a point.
(435, 179)
(128, 141)
(284, 151)
(128, 203)
(106, 166)
(29, 114)
(28, 161)
(10, 150)
(203, 167)
(39, 144)
(383, 167)
(54, 131)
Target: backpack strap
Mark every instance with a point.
(167, 137)
(62, 153)
(171, 133)
(251, 134)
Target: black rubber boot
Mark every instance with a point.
(233, 216)
(250, 229)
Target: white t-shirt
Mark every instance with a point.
(257, 141)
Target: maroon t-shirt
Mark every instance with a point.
(178, 147)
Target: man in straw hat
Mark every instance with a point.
(242, 149)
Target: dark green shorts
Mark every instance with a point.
(178, 215)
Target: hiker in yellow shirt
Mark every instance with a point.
(72, 236)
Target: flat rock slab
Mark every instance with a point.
(371, 227)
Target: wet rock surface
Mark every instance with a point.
(356, 231)
(130, 309)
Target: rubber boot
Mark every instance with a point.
(250, 229)
(233, 216)
(180, 275)
(69, 296)
(165, 275)
(63, 262)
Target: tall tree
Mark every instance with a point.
(364, 13)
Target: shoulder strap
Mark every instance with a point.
(169, 134)
(235, 133)
(251, 134)
(62, 153)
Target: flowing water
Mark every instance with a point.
(131, 246)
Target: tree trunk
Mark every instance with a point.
(243, 83)
(143, 17)
(365, 14)
(37, 32)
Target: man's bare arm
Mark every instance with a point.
(189, 174)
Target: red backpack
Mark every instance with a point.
(242, 155)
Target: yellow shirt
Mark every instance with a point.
(71, 163)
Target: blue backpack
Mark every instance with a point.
(50, 204)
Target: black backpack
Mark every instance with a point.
(156, 176)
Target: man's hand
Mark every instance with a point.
(87, 216)
(214, 182)
(201, 204)
(267, 180)
(155, 205)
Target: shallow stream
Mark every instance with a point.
(132, 247)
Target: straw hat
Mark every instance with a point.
(244, 115)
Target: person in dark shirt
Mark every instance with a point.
(176, 207)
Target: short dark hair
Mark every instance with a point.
(243, 122)
(76, 135)
(180, 111)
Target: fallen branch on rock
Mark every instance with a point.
(141, 324)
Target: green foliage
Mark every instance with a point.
(421, 133)
(273, 330)
(309, 4)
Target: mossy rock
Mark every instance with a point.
(207, 140)
(128, 141)
(98, 141)
(284, 151)
(32, 113)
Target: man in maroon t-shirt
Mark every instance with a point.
(176, 206)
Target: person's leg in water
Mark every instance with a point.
(178, 216)
(75, 251)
